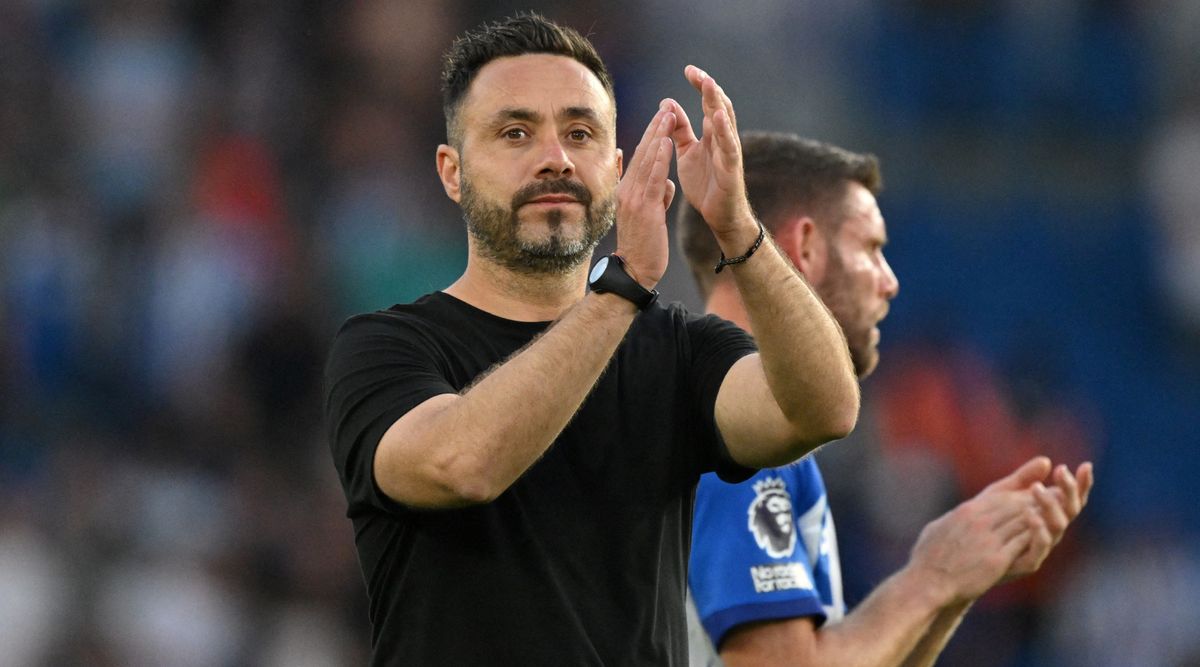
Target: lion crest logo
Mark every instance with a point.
(770, 518)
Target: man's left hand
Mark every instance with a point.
(710, 168)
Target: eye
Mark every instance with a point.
(515, 133)
(579, 135)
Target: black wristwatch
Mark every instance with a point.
(609, 275)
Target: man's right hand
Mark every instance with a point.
(1059, 503)
(643, 197)
(971, 548)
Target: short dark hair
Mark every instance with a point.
(787, 176)
(525, 33)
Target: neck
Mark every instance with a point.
(518, 296)
(726, 302)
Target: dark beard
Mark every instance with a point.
(496, 230)
(837, 294)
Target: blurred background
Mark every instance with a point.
(194, 195)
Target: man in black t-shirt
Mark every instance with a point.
(519, 454)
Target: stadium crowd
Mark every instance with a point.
(193, 195)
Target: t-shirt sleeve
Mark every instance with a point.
(716, 344)
(748, 562)
(380, 366)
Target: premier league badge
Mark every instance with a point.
(770, 518)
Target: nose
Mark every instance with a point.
(891, 284)
(554, 161)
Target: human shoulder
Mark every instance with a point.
(400, 321)
(434, 312)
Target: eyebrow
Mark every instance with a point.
(515, 113)
(580, 113)
(509, 114)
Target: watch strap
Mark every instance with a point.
(615, 279)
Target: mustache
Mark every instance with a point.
(561, 186)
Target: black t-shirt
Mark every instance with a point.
(583, 560)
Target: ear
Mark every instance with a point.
(804, 244)
(450, 171)
(620, 163)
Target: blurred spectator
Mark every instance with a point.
(1146, 585)
(215, 268)
(132, 79)
(1172, 177)
(34, 593)
(170, 612)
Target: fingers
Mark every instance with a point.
(1020, 543)
(1057, 506)
(1075, 488)
(1086, 478)
(999, 506)
(652, 147)
(727, 105)
(1016, 544)
(682, 135)
(656, 182)
(1013, 523)
(1072, 500)
(642, 199)
(1031, 471)
(649, 154)
(1043, 537)
(1071, 491)
(710, 166)
(1041, 541)
(652, 129)
(1008, 529)
(1054, 509)
(727, 140)
(695, 76)
(719, 114)
(712, 95)
(970, 548)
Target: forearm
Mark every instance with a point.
(935, 640)
(468, 448)
(881, 632)
(885, 628)
(906, 621)
(804, 356)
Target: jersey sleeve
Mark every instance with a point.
(715, 344)
(748, 560)
(380, 366)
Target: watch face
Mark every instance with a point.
(598, 270)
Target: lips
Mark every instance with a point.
(554, 199)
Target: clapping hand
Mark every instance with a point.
(710, 168)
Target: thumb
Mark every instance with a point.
(1034, 470)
